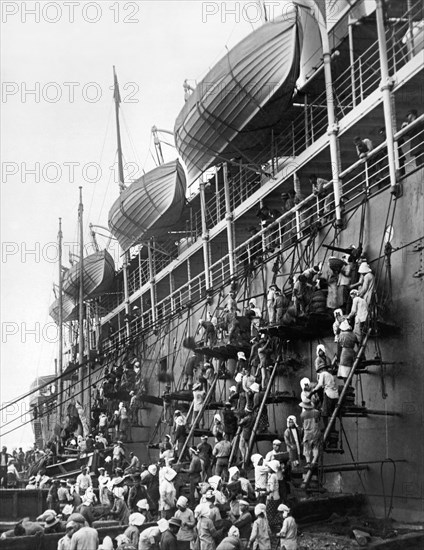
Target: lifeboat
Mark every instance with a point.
(149, 207)
(98, 275)
(235, 109)
(69, 310)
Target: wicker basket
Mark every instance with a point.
(335, 264)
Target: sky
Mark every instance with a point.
(58, 133)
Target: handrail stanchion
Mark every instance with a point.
(386, 88)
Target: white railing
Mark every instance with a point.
(360, 180)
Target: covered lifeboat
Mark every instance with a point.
(98, 275)
(235, 110)
(69, 310)
(149, 207)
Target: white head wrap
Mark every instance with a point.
(214, 481)
(182, 501)
(364, 268)
(274, 465)
(136, 519)
(143, 504)
(152, 469)
(304, 382)
(321, 347)
(292, 417)
(345, 326)
(255, 459)
(163, 525)
(260, 509)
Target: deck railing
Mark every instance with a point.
(350, 88)
(361, 180)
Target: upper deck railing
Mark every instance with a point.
(351, 87)
(361, 180)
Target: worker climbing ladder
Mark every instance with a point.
(337, 410)
(199, 415)
(259, 413)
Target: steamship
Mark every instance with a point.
(283, 105)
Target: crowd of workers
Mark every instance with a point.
(168, 506)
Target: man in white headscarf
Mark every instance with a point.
(261, 476)
(359, 312)
(321, 358)
(276, 445)
(256, 316)
(338, 320)
(293, 440)
(168, 494)
(207, 533)
(186, 533)
(150, 537)
(261, 532)
(231, 541)
(366, 283)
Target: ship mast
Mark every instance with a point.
(117, 98)
(60, 362)
(81, 297)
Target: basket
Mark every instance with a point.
(335, 264)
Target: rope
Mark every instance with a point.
(387, 510)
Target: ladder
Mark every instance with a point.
(234, 447)
(198, 416)
(263, 403)
(339, 405)
(236, 440)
